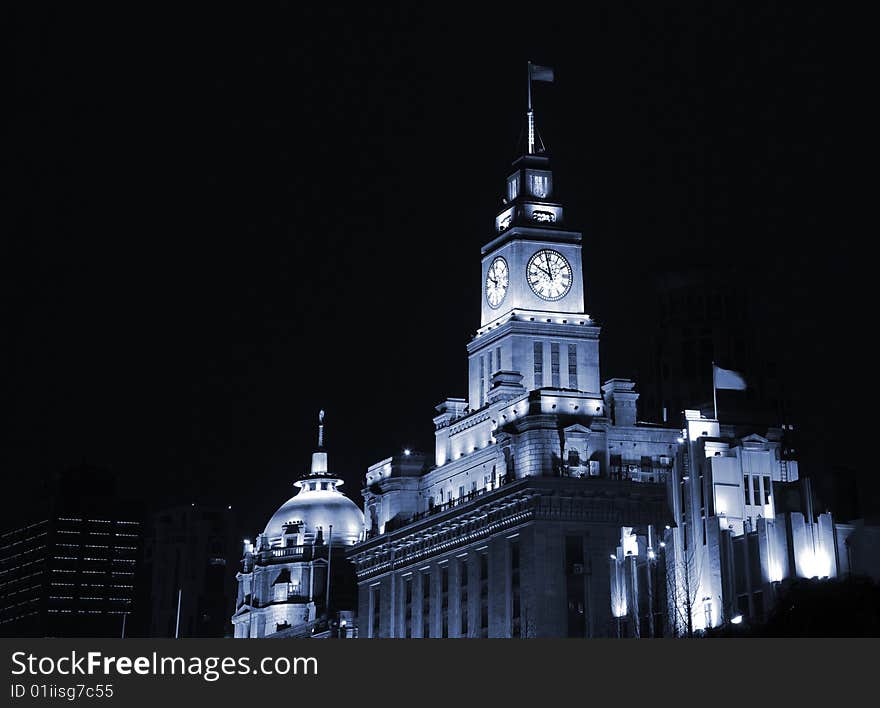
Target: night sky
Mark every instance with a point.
(223, 220)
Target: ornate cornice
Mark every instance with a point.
(614, 502)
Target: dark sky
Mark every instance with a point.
(226, 219)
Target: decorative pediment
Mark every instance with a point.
(754, 441)
(242, 611)
(576, 429)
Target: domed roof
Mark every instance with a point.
(319, 507)
(319, 504)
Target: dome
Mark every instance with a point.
(319, 507)
(319, 503)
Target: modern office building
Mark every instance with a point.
(72, 567)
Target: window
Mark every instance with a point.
(512, 188)
(375, 598)
(572, 367)
(463, 595)
(539, 364)
(426, 604)
(407, 607)
(516, 623)
(488, 373)
(756, 490)
(647, 468)
(498, 359)
(484, 595)
(444, 601)
(746, 489)
(766, 490)
(461, 493)
(540, 186)
(575, 587)
(482, 381)
(554, 364)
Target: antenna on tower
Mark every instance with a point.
(321, 428)
(536, 73)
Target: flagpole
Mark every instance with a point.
(177, 623)
(530, 116)
(714, 392)
(529, 81)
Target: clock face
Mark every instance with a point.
(497, 280)
(549, 275)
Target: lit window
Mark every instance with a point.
(554, 364)
(539, 364)
(540, 186)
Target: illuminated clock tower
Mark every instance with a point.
(532, 320)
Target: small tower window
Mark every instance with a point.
(512, 188)
(554, 364)
(540, 186)
(539, 364)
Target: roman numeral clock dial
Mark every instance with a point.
(549, 275)
(497, 280)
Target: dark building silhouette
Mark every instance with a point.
(714, 313)
(72, 566)
(191, 552)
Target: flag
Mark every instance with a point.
(728, 379)
(540, 73)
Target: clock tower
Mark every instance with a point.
(532, 320)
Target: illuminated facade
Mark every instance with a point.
(505, 530)
(547, 509)
(743, 527)
(283, 586)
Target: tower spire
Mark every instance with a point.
(536, 73)
(319, 456)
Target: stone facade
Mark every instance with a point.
(283, 583)
(548, 509)
(532, 475)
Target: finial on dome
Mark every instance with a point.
(321, 428)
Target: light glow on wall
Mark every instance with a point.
(817, 564)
